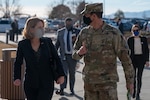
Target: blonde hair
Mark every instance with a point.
(132, 29)
(30, 23)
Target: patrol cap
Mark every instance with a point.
(95, 7)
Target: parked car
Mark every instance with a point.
(21, 23)
(5, 24)
(53, 25)
(47, 24)
(127, 26)
(110, 22)
(147, 26)
(56, 24)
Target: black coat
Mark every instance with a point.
(38, 73)
(145, 49)
(121, 28)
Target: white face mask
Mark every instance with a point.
(39, 33)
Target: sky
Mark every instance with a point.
(41, 7)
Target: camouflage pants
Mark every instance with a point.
(106, 91)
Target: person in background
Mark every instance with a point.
(100, 44)
(120, 25)
(64, 44)
(14, 26)
(39, 73)
(139, 53)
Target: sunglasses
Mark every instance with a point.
(135, 30)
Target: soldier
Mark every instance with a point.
(100, 44)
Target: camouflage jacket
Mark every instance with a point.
(104, 46)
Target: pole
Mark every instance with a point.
(7, 35)
(104, 7)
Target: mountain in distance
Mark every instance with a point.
(142, 14)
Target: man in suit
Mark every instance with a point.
(65, 40)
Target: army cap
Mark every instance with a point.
(95, 7)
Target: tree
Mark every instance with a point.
(61, 12)
(119, 14)
(79, 9)
(73, 4)
(144, 15)
(62, 1)
(9, 7)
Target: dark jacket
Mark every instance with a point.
(14, 26)
(38, 73)
(121, 28)
(145, 49)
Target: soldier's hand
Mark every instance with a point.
(83, 49)
(130, 87)
(147, 64)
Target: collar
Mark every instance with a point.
(102, 28)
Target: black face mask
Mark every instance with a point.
(87, 20)
(69, 27)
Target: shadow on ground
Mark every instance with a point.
(68, 95)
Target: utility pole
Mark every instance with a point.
(104, 7)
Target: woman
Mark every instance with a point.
(138, 46)
(39, 74)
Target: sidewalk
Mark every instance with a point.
(145, 95)
(79, 91)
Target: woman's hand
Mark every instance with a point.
(17, 82)
(147, 64)
(60, 80)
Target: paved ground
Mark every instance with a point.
(145, 92)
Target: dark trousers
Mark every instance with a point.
(69, 66)
(138, 64)
(16, 36)
(38, 93)
(12, 35)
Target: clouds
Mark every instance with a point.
(38, 11)
(40, 7)
(141, 3)
(127, 5)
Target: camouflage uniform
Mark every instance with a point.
(100, 72)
